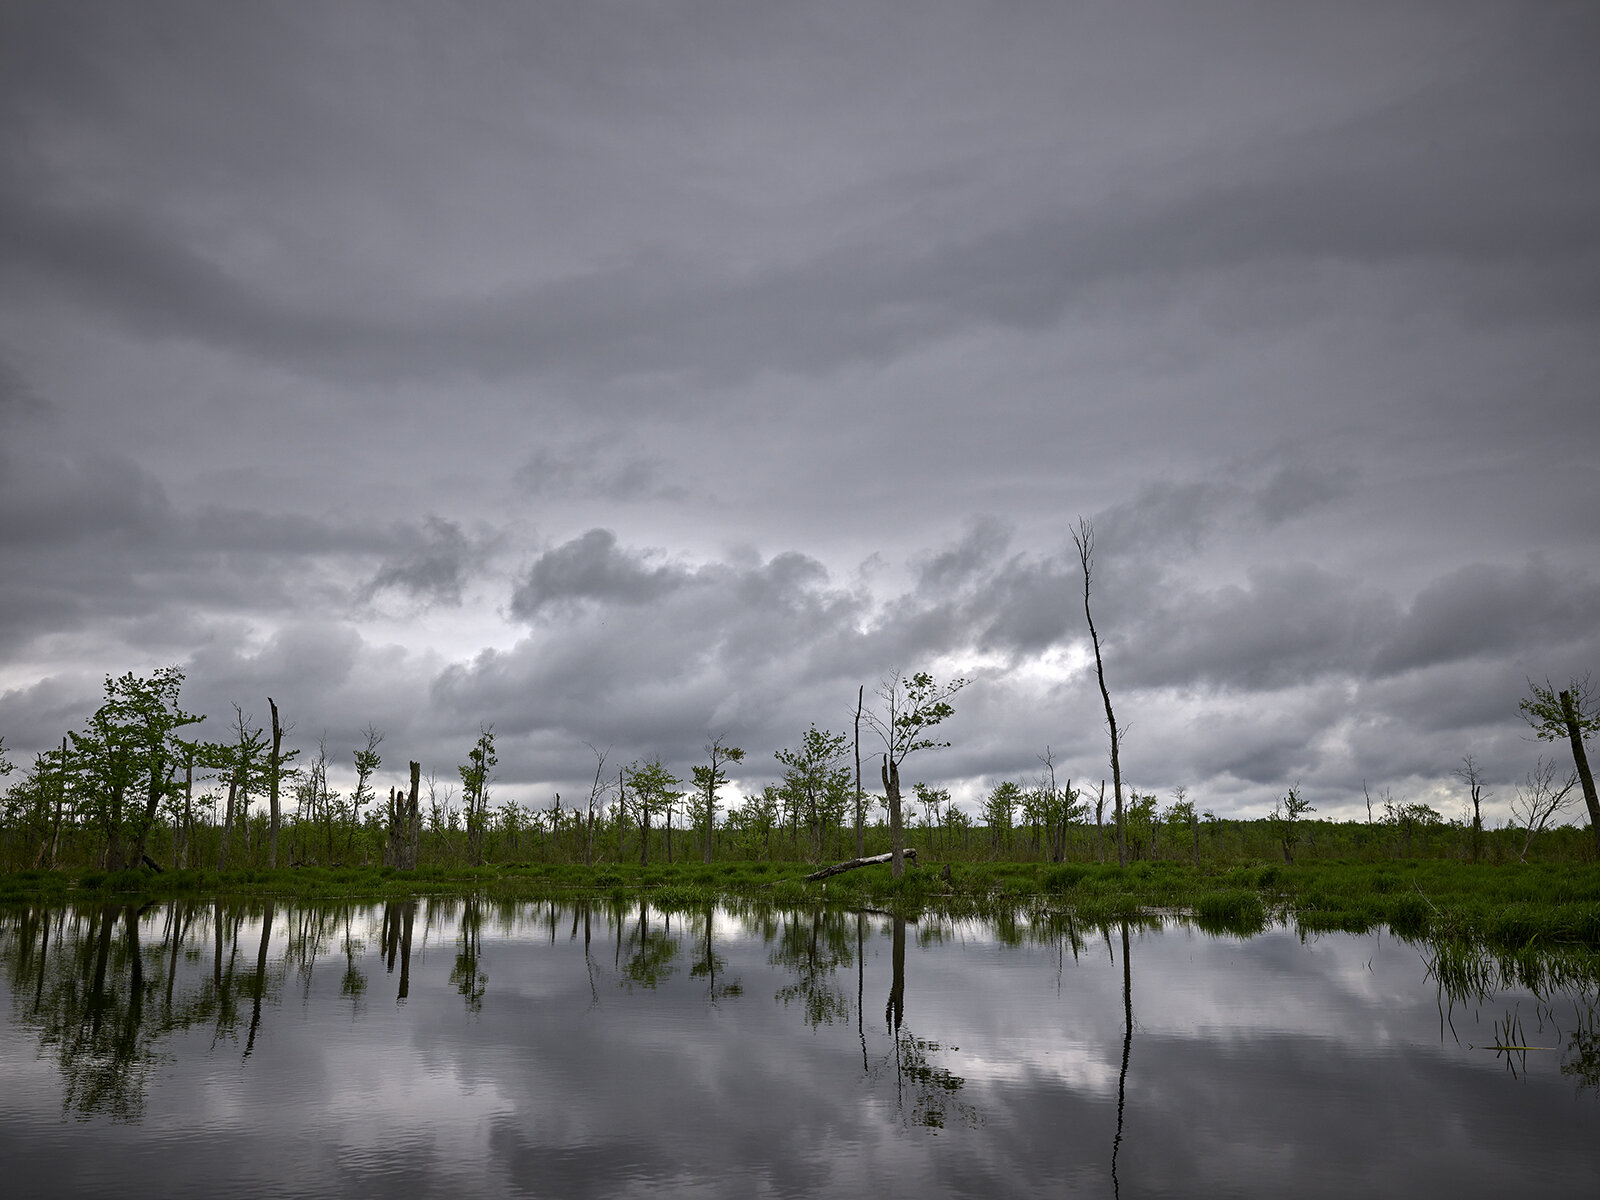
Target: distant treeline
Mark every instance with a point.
(132, 790)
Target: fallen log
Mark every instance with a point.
(841, 868)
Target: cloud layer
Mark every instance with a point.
(633, 374)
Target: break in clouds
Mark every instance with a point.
(632, 374)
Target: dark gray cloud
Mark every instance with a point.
(627, 374)
(434, 564)
(591, 567)
(598, 467)
(1485, 610)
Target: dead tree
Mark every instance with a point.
(1083, 538)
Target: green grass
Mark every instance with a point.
(1509, 905)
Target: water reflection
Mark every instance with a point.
(591, 1067)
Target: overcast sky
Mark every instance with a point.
(631, 373)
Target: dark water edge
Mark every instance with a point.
(456, 1047)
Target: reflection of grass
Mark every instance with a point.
(1507, 905)
(1236, 911)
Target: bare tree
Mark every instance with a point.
(1472, 775)
(861, 834)
(1083, 538)
(597, 794)
(1540, 800)
(275, 763)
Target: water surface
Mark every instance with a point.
(454, 1047)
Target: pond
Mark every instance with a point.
(459, 1047)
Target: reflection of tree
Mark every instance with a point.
(398, 918)
(259, 982)
(650, 951)
(933, 1087)
(710, 962)
(814, 946)
(101, 998)
(1127, 1050)
(468, 975)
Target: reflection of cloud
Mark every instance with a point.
(1237, 1046)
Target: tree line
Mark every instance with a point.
(135, 786)
(131, 776)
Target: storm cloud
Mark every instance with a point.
(631, 374)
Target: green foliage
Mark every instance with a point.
(708, 781)
(1285, 821)
(1542, 709)
(476, 775)
(815, 787)
(128, 752)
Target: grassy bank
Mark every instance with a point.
(1508, 905)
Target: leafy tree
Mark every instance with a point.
(1409, 818)
(1286, 813)
(908, 709)
(125, 758)
(814, 770)
(1141, 820)
(933, 801)
(707, 780)
(654, 789)
(367, 761)
(761, 811)
(477, 773)
(1570, 713)
(1182, 816)
(240, 765)
(1052, 806)
(28, 802)
(999, 811)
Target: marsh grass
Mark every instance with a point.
(1508, 906)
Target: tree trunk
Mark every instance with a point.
(227, 821)
(188, 808)
(1569, 714)
(852, 864)
(861, 831)
(61, 802)
(1085, 541)
(153, 789)
(413, 817)
(274, 770)
(891, 789)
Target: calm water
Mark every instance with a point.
(461, 1048)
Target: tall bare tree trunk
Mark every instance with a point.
(274, 770)
(1083, 537)
(861, 831)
